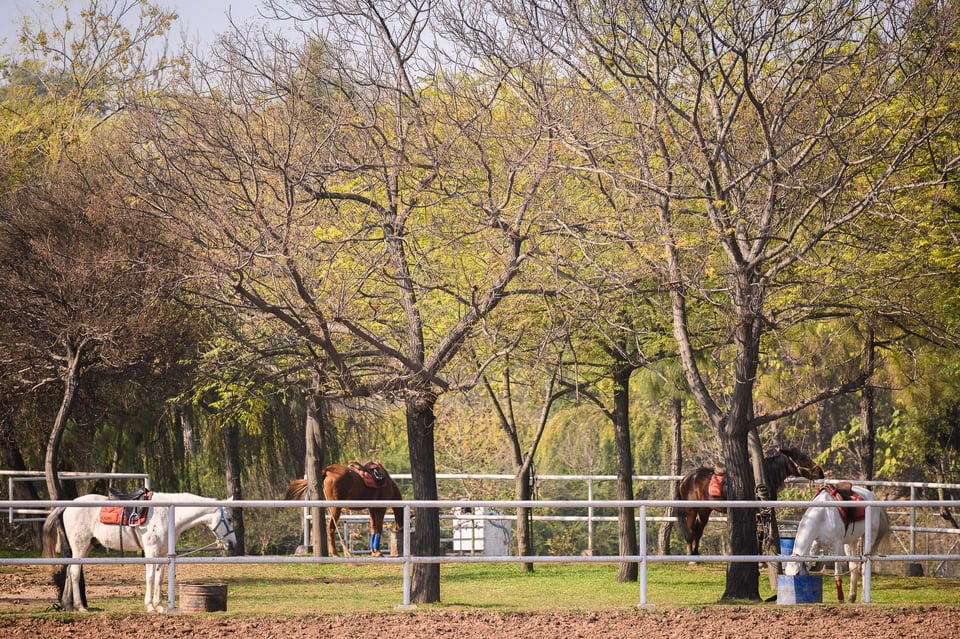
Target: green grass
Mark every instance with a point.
(267, 589)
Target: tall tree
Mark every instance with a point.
(762, 138)
(77, 278)
(373, 213)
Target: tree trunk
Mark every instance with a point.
(741, 582)
(117, 443)
(425, 542)
(523, 489)
(764, 491)
(231, 445)
(868, 429)
(185, 415)
(626, 518)
(676, 463)
(13, 459)
(71, 382)
(742, 451)
(522, 463)
(314, 466)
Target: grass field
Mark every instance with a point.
(271, 589)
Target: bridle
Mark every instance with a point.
(802, 471)
(225, 522)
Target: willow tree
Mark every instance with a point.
(760, 139)
(81, 293)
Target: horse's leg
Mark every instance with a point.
(838, 570)
(74, 599)
(157, 580)
(331, 534)
(376, 527)
(151, 598)
(854, 573)
(73, 596)
(701, 517)
(693, 546)
(148, 590)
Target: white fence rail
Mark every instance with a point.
(643, 558)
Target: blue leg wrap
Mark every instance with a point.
(375, 541)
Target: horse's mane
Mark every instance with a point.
(777, 471)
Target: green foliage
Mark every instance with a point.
(938, 436)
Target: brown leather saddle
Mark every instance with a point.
(125, 515)
(373, 474)
(843, 491)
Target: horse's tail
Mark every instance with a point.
(297, 489)
(397, 510)
(51, 538)
(883, 531)
(50, 532)
(681, 514)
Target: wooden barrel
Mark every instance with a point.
(203, 598)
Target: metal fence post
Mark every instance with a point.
(590, 516)
(867, 543)
(407, 564)
(913, 522)
(643, 554)
(172, 556)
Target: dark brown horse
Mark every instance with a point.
(787, 462)
(355, 482)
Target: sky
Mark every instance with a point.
(201, 20)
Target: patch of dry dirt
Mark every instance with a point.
(22, 590)
(715, 622)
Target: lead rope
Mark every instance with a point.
(219, 538)
(343, 542)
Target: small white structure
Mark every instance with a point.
(477, 530)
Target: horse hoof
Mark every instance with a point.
(375, 553)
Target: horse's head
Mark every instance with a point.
(221, 524)
(791, 568)
(804, 466)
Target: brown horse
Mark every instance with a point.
(787, 462)
(355, 482)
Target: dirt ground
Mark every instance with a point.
(26, 590)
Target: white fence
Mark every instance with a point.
(644, 557)
(14, 477)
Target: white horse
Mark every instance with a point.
(82, 526)
(825, 528)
